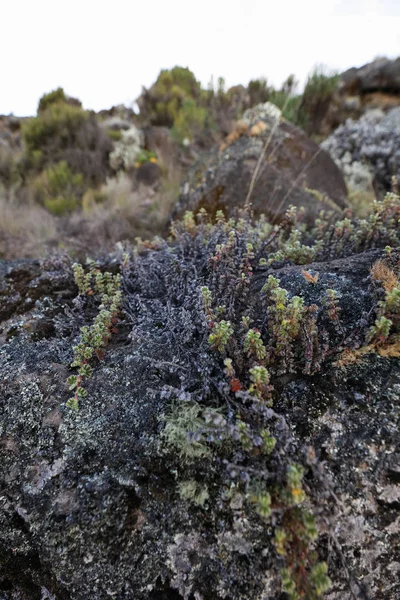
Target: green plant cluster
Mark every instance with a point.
(59, 189)
(386, 329)
(293, 243)
(289, 319)
(172, 101)
(318, 93)
(190, 121)
(290, 335)
(304, 576)
(248, 432)
(55, 97)
(105, 288)
(62, 132)
(114, 134)
(59, 123)
(177, 100)
(145, 156)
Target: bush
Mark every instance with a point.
(161, 104)
(56, 97)
(63, 132)
(190, 121)
(318, 93)
(288, 104)
(59, 189)
(53, 97)
(8, 168)
(56, 128)
(145, 156)
(258, 91)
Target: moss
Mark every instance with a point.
(192, 491)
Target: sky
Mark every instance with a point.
(104, 52)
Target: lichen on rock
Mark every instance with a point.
(298, 419)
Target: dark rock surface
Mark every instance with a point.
(292, 162)
(89, 506)
(382, 74)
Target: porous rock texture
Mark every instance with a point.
(291, 162)
(368, 150)
(89, 506)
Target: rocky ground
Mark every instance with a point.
(214, 415)
(131, 496)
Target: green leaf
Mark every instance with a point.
(72, 382)
(73, 404)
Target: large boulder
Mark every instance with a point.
(291, 170)
(153, 489)
(368, 150)
(383, 74)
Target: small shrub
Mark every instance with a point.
(145, 156)
(190, 121)
(161, 104)
(59, 189)
(94, 339)
(67, 132)
(57, 126)
(54, 97)
(8, 167)
(317, 96)
(288, 104)
(258, 91)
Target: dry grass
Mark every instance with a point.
(128, 212)
(124, 211)
(351, 357)
(313, 279)
(386, 276)
(25, 230)
(239, 129)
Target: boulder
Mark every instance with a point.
(368, 150)
(290, 163)
(148, 173)
(138, 494)
(381, 75)
(116, 124)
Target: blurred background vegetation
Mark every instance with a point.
(76, 179)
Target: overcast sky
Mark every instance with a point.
(103, 52)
